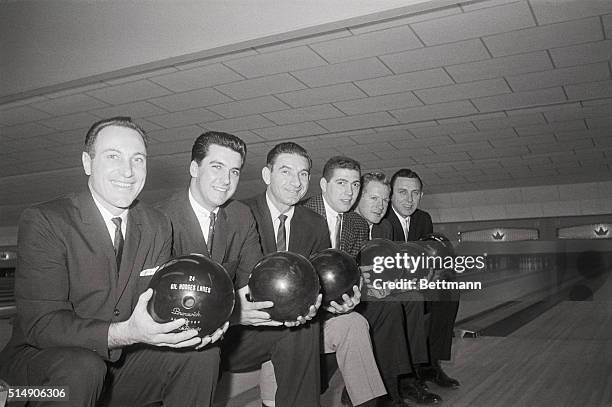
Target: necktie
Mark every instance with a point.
(118, 241)
(338, 230)
(211, 233)
(406, 223)
(281, 235)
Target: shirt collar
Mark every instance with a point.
(400, 217)
(199, 208)
(274, 212)
(106, 215)
(329, 212)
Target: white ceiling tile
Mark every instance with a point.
(483, 136)
(542, 109)
(463, 91)
(440, 157)
(358, 122)
(72, 121)
(136, 109)
(433, 57)
(498, 152)
(342, 72)
(177, 133)
(378, 103)
(500, 123)
(582, 54)
(597, 102)
(22, 114)
(404, 82)
(73, 137)
(502, 66)
(544, 37)
(290, 131)
(147, 125)
(547, 12)
(215, 59)
(39, 144)
(589, 90)
(24, 131)
(470, 117)
(291, 59)
(564, 114)
(69, 104)
(578, 132)
(238, 124)
(187, 100)
(520, 99)
(310, 39)
(326, 94)
(528, 141)
(129, 92)
(444, 129)
(368, 45)
(143, 75)
(380, 137)
(248, 107)
(475, 24)
(184, 118)
(248, 137)
(429, 142)
(304, 114)
(559, 77)
(79, 89)
(599, 122)
(267, 85)
(607, 23)
(197, 78)
(415, 114)
(477, 5)
(412, 18)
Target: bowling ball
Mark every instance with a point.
(193, 287)
(437, 245)
(413, 257)
(338, 273)
(380, 248)
(288, 280)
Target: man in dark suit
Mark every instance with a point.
(206, 220)
(284, 226)
(340, 185)
(410, 223)
(84, 262)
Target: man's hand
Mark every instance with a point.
(218, 334)
(311, 313)
(249, 313)
(348, 302)
(141, 328)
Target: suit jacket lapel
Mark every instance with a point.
(97, 232)
(220, 237)
(132, 244)
(265, 225)
(190, 225)
(297, 240)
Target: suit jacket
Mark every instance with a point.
(309, 233)
(382, 230)
(420, 225)
(355, 230)
(235, 244)
(67, 287)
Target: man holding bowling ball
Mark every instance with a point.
(206, 220)
(410, 223)
(340, 185)
(84, 261)
(284, 225)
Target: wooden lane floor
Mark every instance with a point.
(561, 358)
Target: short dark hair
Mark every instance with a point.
(339, 161)
(204, 141)
(405, 173)
(287, 148)
(97, 127)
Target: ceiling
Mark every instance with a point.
(473, 96)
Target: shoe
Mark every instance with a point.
(417, 391)
(386, 401)
(436, 375)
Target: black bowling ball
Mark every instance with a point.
(413, 260)
(288, 280)
(380, 248)
(338, 273)
(193, 287)
(437, 245)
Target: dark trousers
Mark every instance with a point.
(144, 375)
(442, 315)
(416, 331)
(294, 353)
(386, 321)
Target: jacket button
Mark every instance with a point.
(116, 312)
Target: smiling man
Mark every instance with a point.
(81, 318)
(206, 220)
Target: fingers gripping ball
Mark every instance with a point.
(288, 280)
(338, 273)
(193, 287)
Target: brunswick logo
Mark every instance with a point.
(498, 235)
(601, 232)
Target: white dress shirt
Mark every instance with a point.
(202, 214)
(107, 216)
(405, 223)
(332, 217)
(275, 213)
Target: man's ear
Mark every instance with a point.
(86, 160)
(323, 184)
(193, 169)
(266, 174)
